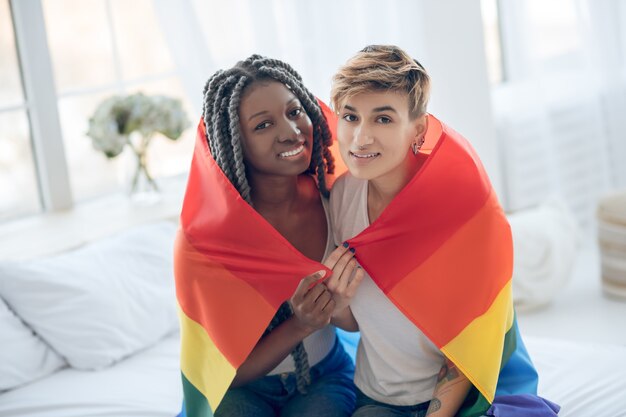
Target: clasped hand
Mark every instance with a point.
(315, 302)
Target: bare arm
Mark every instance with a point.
(451, 389)
(270, 351)
(312, 308)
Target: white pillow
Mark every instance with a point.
(545, 240)
(24, 357)
(100, 303)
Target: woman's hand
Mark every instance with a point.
(312, 304)
(346, 278)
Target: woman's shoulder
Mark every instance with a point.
(311, 194)
(345, 194)
(346, 183)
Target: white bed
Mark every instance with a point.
(144, 380)
(146, 384)
(82, 335)
(585, 379)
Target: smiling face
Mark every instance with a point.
(375, 133)
(276, 133)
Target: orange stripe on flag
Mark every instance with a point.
(459, 281)
(231, 311)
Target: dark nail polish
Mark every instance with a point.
(352, 250)
(345, 244)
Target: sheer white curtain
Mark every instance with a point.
(560, 111)
(302, 33)
(607, 46)
(316, 37)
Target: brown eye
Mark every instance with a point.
(296, 112)
(263, 125)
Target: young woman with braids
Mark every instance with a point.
(267, 133)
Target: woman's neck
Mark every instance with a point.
(382, 190)
(274, 193)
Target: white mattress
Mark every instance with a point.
(585, 379)
(147, 384)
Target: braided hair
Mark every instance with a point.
(220, 110)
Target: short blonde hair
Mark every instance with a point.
(382, 67)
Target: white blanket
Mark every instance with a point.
(148, 384)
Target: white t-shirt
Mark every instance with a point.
(396, 363)
(318, 344)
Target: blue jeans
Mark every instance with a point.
(367, 407)
(331, 393)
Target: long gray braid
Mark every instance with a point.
(220, 110)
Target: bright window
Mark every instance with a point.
(19, 194)
(122, 50)
(555, 33)
(492, 37)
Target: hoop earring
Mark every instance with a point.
(416, 146)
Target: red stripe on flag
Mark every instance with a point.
(233, 313)
(447, 192)
(221, 225)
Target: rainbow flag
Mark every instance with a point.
(441, 251)
(233, 270)
(443, 254)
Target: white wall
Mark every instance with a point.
(455, 57)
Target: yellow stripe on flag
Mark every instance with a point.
(202, 363)
(485, 335)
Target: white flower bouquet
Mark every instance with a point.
(117, 118)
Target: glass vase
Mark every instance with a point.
(142, 188)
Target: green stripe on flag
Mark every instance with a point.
(475, 404)
(196, 404)
(510, 343)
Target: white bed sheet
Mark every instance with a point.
(147, 384)
(585, 379)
